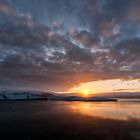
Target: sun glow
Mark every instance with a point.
(106, 86)
(85, 92)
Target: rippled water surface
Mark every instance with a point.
(70, 120)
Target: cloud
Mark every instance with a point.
(6, 8)
(87, 44)
(119, 90)
(84, 38)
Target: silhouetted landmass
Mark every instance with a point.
(48, 96)
(110, 95)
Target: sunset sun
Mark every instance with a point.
(85, 92)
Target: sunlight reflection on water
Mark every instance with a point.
(124, 109)
(112, 110)
(70, 120)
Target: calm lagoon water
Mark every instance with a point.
(29, 120)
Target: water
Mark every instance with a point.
(27, 120)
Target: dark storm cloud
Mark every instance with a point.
(50, 44)
(85, 38)
(50, 11)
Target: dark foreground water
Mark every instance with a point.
(43, 120)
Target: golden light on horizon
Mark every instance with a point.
(85, 92)
(106, 86)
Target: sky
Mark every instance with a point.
(65, 45)
(108, 86)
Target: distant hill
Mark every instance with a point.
(59, 96)
(120, 95)
(28, 95)
(110, 95)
